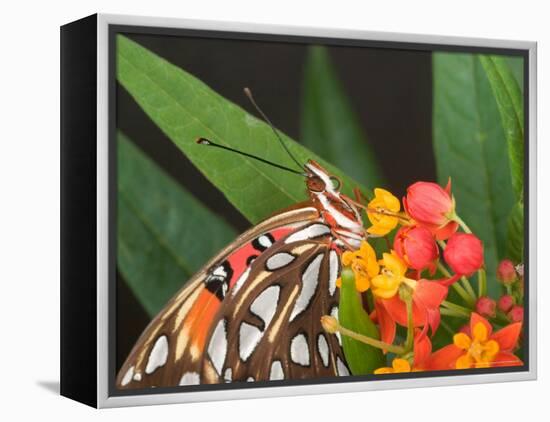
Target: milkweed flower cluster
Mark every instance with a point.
(428, 252)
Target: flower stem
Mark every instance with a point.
(508, 288)
(371, 341)
(409, 342)
(451, 313)
(462, 224)
(468, 287)
(457, 308)
(501, 319)
(482, 282)
(443, 270)
(447, 328)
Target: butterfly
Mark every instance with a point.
(252, 313)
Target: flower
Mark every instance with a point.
(363, 264)
(398, 366)
(421, 353)
(506, 272)
(515, 314)
(505, 303)
(481, 349)
(422, 349)
(391, 309)
(432, 207)
(464, 253)
(382, 211)
(417, 247)
(386, 284)
(486, 307)
(426, 299)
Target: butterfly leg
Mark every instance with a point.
(359, 196)
(343, 236)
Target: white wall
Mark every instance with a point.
(29, 178)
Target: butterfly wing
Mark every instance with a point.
(271, 328)
(174, 342)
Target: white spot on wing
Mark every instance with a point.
(250, 379)
(299, 350)
(220, 271)
(137, 377)
(333, 271)
(217, 349)
(265, 241)
(190, 378)
(322, 346)
(279, 260)
(158, 355)
(127, 376)
(276, 372)
(265, 304)
(249, 337)
(310, 232)
(310, 279)
(227, 376)
(342, 368)
(334, 313)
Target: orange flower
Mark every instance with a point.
(422, 350)
(427, 297)
(480, 349)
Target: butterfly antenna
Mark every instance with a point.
(248, 93)
(204, 141)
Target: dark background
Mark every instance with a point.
(390, 91)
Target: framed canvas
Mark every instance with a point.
(252, 210)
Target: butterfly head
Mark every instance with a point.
(336, 209)
(318, 180)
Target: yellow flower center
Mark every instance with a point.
(386, 284)
(382, 212)
(363, 264)
(479, 350)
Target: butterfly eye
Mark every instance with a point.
(336, 182)
(315, 184)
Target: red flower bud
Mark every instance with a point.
(506, 272)
(432, 207)
(416, 246)
(505, 303)
(486, 307)
(516, 314)
(464, 253)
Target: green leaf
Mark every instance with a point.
(516, 66)
(184, 108)
(361, 358)
(329, 125)
(469, 147)
(510, 105)
(504, 74)
(164, 234)
(514, 242)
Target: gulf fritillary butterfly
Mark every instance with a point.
(253, 312)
